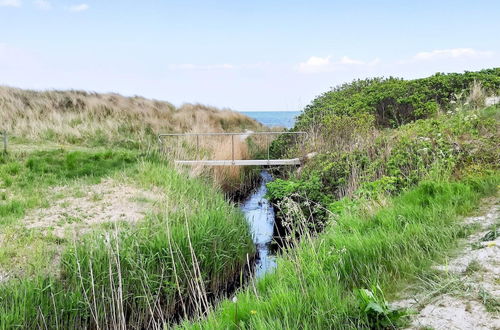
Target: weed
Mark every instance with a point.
(91, 119)
(473, 267)
(491, 303)
(376, 310)
(491, 235)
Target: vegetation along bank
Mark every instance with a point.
(397, 164)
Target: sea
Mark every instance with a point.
(274, 118)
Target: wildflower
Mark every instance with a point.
(491, 244)
(253, 312)
(235, 299)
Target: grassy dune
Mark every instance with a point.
(77, 119)
(92, 119)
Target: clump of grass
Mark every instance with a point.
(489, 301)
(477, 95)
(473, 267)
(491, 235)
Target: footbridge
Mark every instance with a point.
(229, 149)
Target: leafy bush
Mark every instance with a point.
(357, 159)
(393, 101)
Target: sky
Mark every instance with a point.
(245, 55)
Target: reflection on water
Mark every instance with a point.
(260, 215)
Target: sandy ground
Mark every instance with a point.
(106, 202)
(472, 299)
(77, 210)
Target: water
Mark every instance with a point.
(258, 211)
(274, 118)
(260, 215)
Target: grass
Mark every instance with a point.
(92, 119)
(79, 120)
(315, 284)
(173, 263)
(24, 177)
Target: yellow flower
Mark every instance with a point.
(253, 312)
(490, 244)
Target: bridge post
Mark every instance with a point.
(232, 147)
(268, 146)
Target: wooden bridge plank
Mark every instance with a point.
(241, 162)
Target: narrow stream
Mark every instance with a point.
(260, 215)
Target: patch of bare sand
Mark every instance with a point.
(477, 269)
(106, 202)
(3, 276)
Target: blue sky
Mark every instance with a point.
(246, 55)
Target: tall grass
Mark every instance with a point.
(315, 284)
(84, 118)
(172, 264)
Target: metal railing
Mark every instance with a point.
(232, 135)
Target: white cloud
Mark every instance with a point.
(43, 4)
(78, 8)
(348, 60)
(10, 3)
(201, 67)
(317, 64)
(453, 53)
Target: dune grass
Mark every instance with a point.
(316, 284)
(173, 263)
(92, 119)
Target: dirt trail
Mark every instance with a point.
(467, 296)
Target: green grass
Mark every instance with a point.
(25, 177)
(26, 181)
(315, 285)
(174, 261)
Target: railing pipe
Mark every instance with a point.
(232, 147)
(228, 133)
(232, 134)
